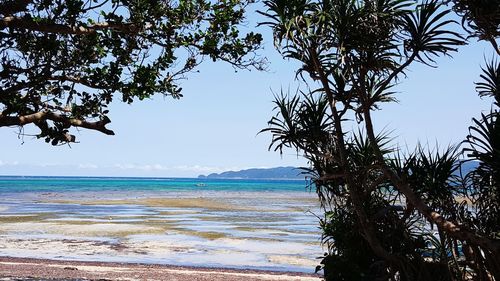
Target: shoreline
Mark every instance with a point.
(226, 225)
(11, 267)
(238, 229)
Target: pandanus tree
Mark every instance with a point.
(481, 19)
(64, 62)
(482, 184)
(389, 214)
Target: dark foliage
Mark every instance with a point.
(64, 62)
(389, 214)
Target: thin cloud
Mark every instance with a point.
(129, 169)
(88, 166)
(6, 163)
(180, 168)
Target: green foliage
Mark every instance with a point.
(434, 177)
(300, 124)
(490, 86)
(483, 145)
(348, 251)
(484, 181)
(428, 37)
(481, 18)
(67, 60)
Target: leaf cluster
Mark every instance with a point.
(74, 57)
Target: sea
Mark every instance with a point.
(231, 223)
(15, 184)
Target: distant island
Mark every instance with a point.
(291, 173)
(270, 173)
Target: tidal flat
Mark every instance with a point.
(232, 229)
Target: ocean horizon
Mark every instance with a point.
(77, 183)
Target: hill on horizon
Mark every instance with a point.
(258, 173)
(288, 173)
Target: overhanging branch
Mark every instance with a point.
(22, 23)
(100, 125)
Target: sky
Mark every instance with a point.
(215, 126)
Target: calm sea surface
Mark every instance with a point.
(14, 184)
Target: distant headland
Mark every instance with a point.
(259, 173)
(292, 173)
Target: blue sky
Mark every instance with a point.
(214, 127)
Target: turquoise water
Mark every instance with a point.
(14, 184)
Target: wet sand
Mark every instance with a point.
(35, 269)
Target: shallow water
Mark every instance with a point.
(242, 224)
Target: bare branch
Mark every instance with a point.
(49, 115)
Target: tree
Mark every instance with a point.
(64, 62)
(482, 184)
(400, 207)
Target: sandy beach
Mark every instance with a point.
(43, 269)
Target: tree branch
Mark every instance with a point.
(23, 23)
(396, 72)
(495, 45)
(49, 115)
(367, 228)
(76, 79)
